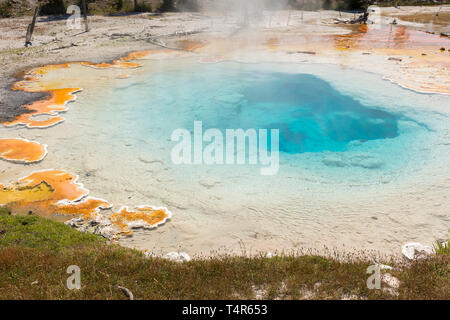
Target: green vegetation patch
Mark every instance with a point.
(36, 232)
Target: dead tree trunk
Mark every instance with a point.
(30, 28)
(86, 27)
(303, 6)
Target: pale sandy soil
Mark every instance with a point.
(430, 19)
(412, 59)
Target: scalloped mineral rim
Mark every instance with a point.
(60, 97)
(22, 151)
(55, 192)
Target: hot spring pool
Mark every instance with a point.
(353, 148)
(311, 115)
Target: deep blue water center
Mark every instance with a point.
(311, 114)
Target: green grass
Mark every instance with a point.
(35, 254)
(35, 232)
(442, 248)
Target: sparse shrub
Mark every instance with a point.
(15, 8)
(118, 4)
(143, 7)
(442, 247)
(5, 10)
(167, 5)
(53, 7)
(357, 4)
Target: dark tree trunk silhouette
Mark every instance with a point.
(86, 26)
(30, 28)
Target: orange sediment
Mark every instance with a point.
(64, 185)
(51, 106)
(22, 151)
(87, 209)
(57, 193)
(51, 185)
(34, 76)
(51, 192)
(116, 63)
(124, 62)
(142, 217)
(59, 97)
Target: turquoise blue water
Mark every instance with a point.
(334, 124)
(312, 116)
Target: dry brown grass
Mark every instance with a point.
(35, 268)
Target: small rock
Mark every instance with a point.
(107, 232)
(269, 254)
(259, 292)
(149, 254)
(391, 281)
(346, 296)
(75, 223)
(177, 256)
(94, 223)
(384, 267)
(127, 292)
(415, 250)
